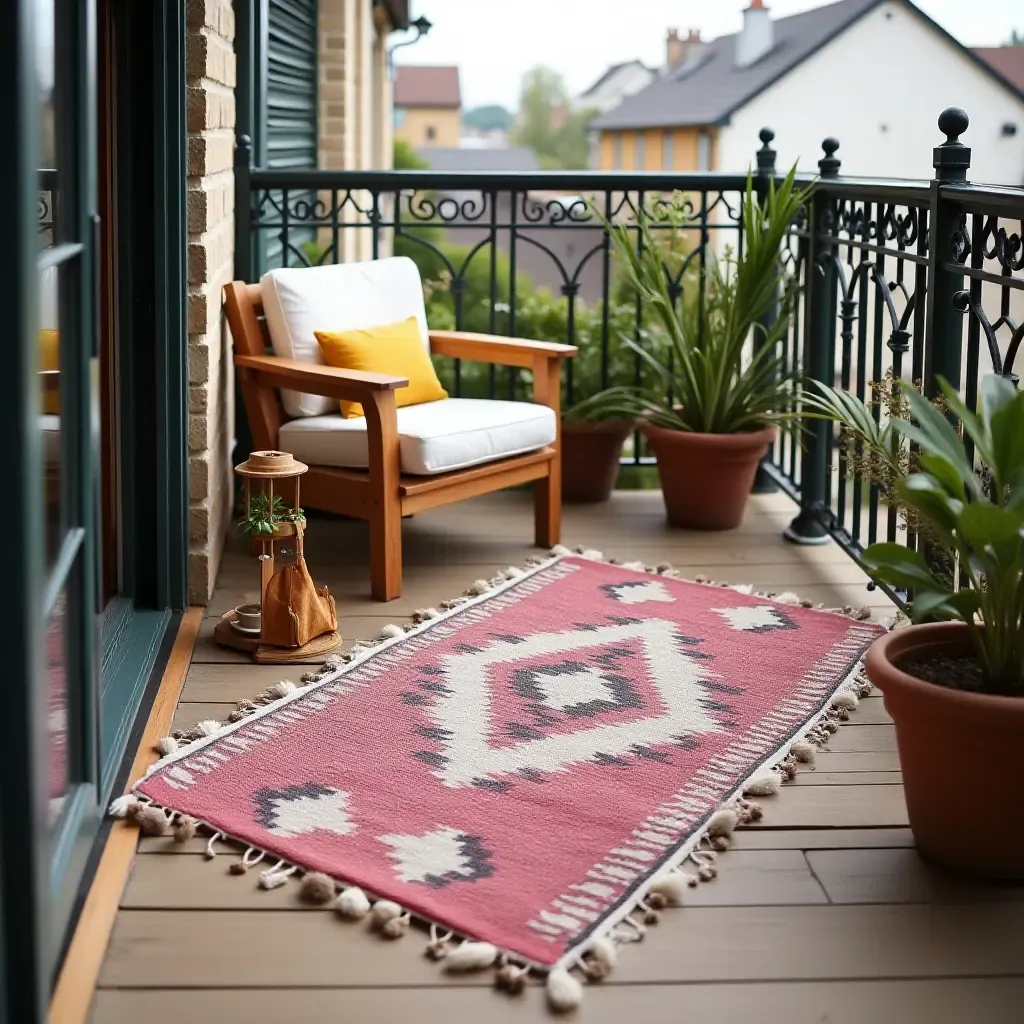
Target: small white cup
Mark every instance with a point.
(248, 616)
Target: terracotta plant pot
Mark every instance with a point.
(706, 478)
(960, 753)
(590, 457)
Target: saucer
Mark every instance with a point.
(247, 630)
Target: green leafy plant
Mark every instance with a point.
(718, 369)
(265, 515)
(872, 448)
(973, 518)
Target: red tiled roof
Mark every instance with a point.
(422, 86)
(1007, 60)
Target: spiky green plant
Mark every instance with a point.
(717, 367)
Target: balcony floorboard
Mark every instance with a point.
(821, 912)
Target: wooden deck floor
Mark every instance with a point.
(821, 913)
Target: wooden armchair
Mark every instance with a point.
(382, 492)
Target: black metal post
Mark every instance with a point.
(244, 245)
(819, 356)
(763, 483)
(943, 340)
(243, 208)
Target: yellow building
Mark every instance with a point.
(428, 106)
(658, 149)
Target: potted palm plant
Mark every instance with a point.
(954, 681)
(593, 436)
(720, 388)
(593, 429)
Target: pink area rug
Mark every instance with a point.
(525, 768)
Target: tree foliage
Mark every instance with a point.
(548, 125)
(405, 158)
(489, 118)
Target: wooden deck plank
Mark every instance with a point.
(938, 1001)
(779, 839)
(871, 711)
(835, 807)
(756, 877)
(204, 948)
(899, 876)
(852, 737)
(826, 778)
(857, 761)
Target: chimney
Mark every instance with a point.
(674, 50)
(756, 38)
(693, 45)
(680, 51)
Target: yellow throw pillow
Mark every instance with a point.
(49, 359)
(396, 349)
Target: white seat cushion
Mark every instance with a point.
(49, 426)
(336, 297)
(436, 437)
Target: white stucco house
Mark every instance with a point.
(873, 73)
(614, 85)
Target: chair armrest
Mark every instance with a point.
(489, 348)
(314, 379)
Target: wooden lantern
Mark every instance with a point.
(269, 475)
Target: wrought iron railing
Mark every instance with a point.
(900, 279)
(521, 254)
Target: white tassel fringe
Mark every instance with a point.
(123, 805)
(470, 956)
(352, 903)
(564, 992)
(166, 745)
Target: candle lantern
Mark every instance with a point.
(293, 620)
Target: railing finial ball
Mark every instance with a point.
(766, 135)
(830, 145)
(953, 122)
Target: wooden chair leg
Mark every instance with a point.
(547, 507)
(547, 492)
(386, 514)
(386, 551)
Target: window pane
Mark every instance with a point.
(56, 683)
(50, 409)
(704, 152)
(45, 75)
(668, 159)
(640, 152)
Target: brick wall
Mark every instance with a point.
(211, 123)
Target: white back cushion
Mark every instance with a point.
(337, 297)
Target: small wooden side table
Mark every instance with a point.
(260, 472)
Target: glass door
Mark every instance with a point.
(49, 767)
(93, 421)
(66, 347)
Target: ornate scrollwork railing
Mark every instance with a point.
(901, 280)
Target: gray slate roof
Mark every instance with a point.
(710, 89)
(515, 158)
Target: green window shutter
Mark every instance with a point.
(290, 121)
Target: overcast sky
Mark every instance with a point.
(493, 43)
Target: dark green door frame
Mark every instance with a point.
(24, 881)
(42, 867)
